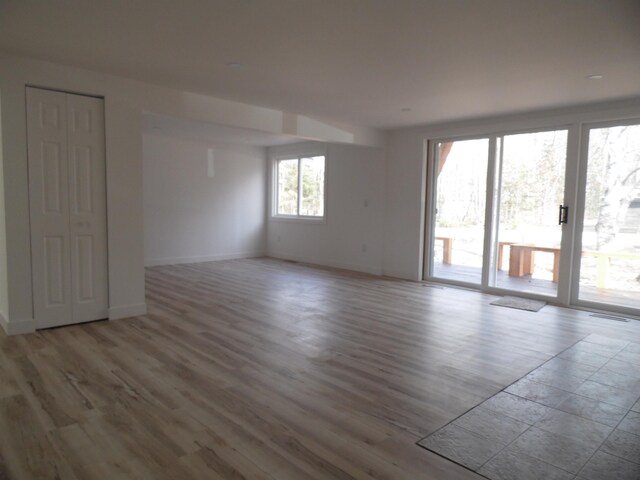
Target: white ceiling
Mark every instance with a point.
(353, 61)
(210, 132)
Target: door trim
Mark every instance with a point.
(61, 90)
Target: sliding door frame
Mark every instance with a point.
(428, 233)
(571, 193)
(430, 203)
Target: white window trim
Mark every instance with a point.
(275, 216)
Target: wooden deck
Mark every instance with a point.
(265, 369)
(539, 286)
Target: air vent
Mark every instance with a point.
(609, 317)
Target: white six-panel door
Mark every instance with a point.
(68, 207)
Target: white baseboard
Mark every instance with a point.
(20, 327)
(17, 327)
(156, 262)
(401, 275)
(315, 261)
(127, 311)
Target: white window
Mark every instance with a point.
(300, 187)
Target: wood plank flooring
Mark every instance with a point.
(264, 369)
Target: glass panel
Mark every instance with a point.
(531, 191)
(610, 261)
(460, 209)
(288, 187)
(312, 187)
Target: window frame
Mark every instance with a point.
(276, 191)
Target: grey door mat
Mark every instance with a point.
(576, 414)
(520, 303)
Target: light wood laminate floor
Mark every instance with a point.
(263, 369)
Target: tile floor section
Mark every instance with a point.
(575, 417)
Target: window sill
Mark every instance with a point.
(309, 220)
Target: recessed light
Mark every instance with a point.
(595, 77)
(405, 109)
(234, 65)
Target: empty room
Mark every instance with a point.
(320, 239)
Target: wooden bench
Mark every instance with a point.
(521, 259)
(447, 246)
(501, 246)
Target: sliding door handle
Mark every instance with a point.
(563, 214)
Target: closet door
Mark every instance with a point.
(87, 208)
(67, 207)
(49, 205)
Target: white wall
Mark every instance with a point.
(125, 102)
(405, 174)
(124, 183)
(391, 226)
(191, 217)
(355, 175)
(406, 170)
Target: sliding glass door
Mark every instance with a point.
(609, 259)
(530, 191)
(460, 203)
(495, 206)
(504, 214)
